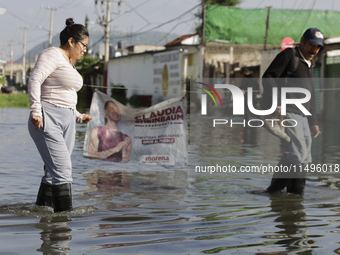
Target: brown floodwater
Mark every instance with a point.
(143, 209)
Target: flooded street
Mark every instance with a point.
(147, 209)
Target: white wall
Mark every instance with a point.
(142, 74)
(133, 72)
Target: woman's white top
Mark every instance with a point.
(55, 81)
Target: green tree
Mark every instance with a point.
(88, 68)
(223, 2)
(86, 26)
(230, 3)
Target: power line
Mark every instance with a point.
(96, 11)
(133, 9)
(73, 6)
(140, 5)
(121, 15)
(10, 13)
(94, 44)
(303, 4)
(36, 16)
(76, 5)
(186, 21)
(310, 12)
(288, 20)
(37, 38)
(248, 14)
(64, 4)
(161, 6)
(167, 22)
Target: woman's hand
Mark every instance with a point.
(127, 149)
(37, 122)
(86, 118)
(128, 140)
(120, 146)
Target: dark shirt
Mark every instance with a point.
(249, 81)
(277, 75)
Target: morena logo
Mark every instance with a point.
(238, 99)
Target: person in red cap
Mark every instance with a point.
(288, 65)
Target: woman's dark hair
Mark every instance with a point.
(76, 31)
(105, 106)
(107, 103)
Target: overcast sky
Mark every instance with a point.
(132, 16)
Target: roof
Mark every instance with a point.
(181, 40)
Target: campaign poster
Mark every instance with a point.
(155, 135)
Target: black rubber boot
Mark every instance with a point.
(277, 184)
(45, 197)
(298, 182)
(296, 186)
(62, 197)
(280, 179)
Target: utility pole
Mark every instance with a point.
(267, 27)
(51, 23)
(105, 22)
(203, 23)
(29, 59)
(24, 59)
(86, 26)
(107, 45)
(11, 71)
(202, 41)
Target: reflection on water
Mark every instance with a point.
(141, 209)
(55, 235)
(291, 224)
